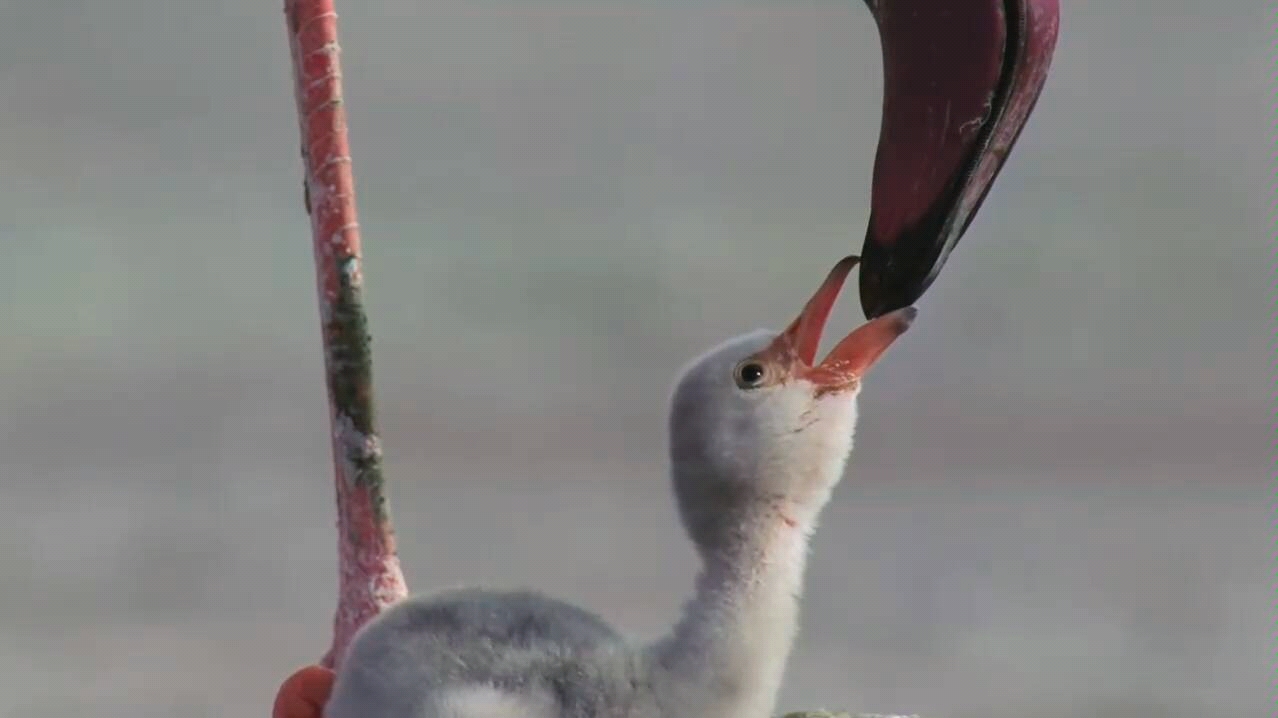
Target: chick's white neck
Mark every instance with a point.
(726, 656)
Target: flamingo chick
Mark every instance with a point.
(760, 434)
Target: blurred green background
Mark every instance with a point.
(1058, 503)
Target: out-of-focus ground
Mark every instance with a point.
(1058, 504)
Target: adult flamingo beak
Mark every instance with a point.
(960, 80)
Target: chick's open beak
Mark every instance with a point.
(797, 346)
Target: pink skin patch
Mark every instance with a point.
(303, 694)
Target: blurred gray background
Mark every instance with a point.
(1058, 505)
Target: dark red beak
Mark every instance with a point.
(960, 79)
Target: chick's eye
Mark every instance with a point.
(750, 374)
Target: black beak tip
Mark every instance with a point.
(889, 281)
